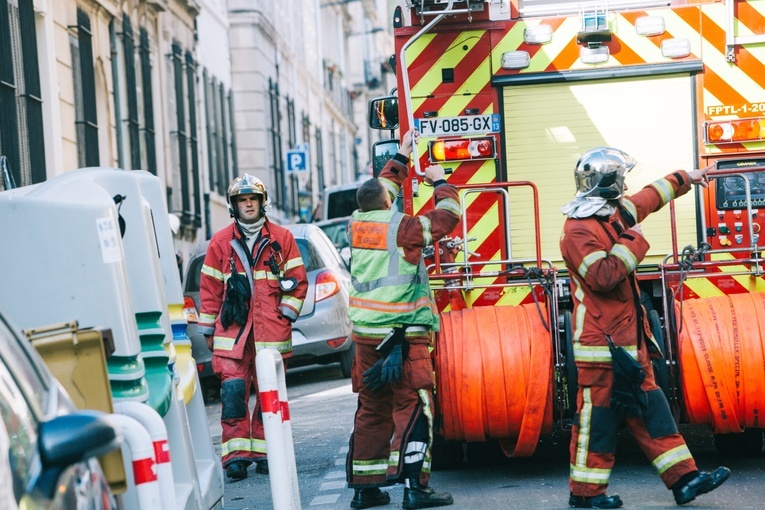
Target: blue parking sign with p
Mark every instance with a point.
(297, 161)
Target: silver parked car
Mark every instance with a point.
(322, 333)
(47, 447)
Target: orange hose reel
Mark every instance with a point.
(722, 361)
(494, 376)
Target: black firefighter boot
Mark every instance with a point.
(369, 497)
(417, 495)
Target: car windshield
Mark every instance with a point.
(27, 371)
(336, 234)
(341, 203)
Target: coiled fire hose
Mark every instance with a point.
(494, 376)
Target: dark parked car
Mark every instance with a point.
(47, 447)
(335, 230)
(322, 333)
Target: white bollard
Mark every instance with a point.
(142, 462)
(272, 385)
(152, 422)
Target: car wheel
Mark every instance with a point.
(346, 360)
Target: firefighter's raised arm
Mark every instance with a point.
(434, 173)
(410, 137)
(700, 177)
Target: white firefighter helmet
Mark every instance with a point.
(600, 173)
(246, 184)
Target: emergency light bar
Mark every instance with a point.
(462, 149)
(735, 131)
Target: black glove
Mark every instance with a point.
(628, 398)
(236, 304)
(393, 365)
(373, 376)
(388, 368)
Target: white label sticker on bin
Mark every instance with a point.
(108, 236)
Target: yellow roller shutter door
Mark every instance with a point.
(548, 126)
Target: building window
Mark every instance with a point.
(277, 167)
(181, 136)
(232, 138)
(332, 154)
(191, 85)
(211, 181)
(83, 73)
(319, 161)
(291, 123)
(223, 123)
(221, 145)
(150, 151)
(306, 123)
(128, 47)
(21, 123)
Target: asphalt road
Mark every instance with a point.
(322, 407)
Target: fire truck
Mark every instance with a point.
(506, 96)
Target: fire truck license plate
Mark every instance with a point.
(455, 126)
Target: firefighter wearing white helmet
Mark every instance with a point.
(252, 289)
(602, 244)
(247, 185)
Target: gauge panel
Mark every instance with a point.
(731, 189)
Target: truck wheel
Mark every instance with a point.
(346, 360)
(446, 454)
(746, 444)
(660, 368)
(567, 341)
(486, 453)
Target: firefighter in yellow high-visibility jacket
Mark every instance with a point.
(393, 319)
(602, 244)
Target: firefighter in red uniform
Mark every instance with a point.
(393, 317)
(252, 288)
(602, 245)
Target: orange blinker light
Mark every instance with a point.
(735, 131)
(461, 149)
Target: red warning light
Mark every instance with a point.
(461, 149)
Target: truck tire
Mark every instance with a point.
(746, 444)
(446, 455)
(487, 453)
(660, 367)
(567, 343)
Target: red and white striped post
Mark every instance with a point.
(272, 385)
(142, 462)
(152, 422)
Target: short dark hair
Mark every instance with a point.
(371, 195)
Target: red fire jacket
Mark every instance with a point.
(272, 311)
(601, 256)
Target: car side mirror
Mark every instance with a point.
(72, 438)
(383, 112)
(382, 151)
